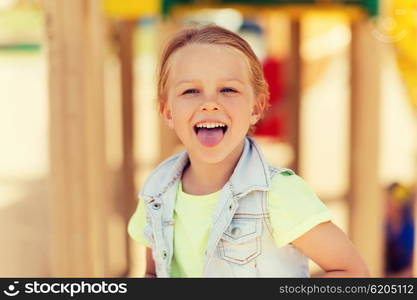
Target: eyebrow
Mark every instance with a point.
(193, 81)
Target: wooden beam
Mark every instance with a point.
(125, 33)
(294, 92)
(168, 140)
(78, 196)
(365, 199)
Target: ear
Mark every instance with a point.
(166, 114)
(256, 111)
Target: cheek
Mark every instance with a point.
(181, 112)
(240, 109)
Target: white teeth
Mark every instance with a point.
(210, 125)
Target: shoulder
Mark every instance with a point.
(285, 178)
(161, 175)
(277, 172)
(294, 207)
(290, 189)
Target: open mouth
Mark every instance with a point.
(210, 134)
(197, 129)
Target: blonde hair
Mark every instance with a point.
(215, 35)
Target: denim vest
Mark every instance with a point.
(240, 243)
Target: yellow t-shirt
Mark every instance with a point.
(293, 207)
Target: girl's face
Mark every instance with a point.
(208, 86)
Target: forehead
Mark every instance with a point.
(199, 61)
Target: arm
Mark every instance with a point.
(330, 248)
(135, 229)
(150, 264)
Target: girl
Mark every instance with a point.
(219, 209)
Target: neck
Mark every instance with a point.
(202, 178)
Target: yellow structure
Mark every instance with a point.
(131, 9)
(401, 26)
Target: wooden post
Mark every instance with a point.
(365, 201)
(125, 34)
(294, 91)
(167, 137)
(78, 197)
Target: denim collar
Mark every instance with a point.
(251, 173)
(252, 170)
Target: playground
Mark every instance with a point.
(80, 130)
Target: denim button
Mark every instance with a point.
(164, 254)
(156, 205)
(236, 232)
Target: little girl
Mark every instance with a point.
(219, 209)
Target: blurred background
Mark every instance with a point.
(80, 131)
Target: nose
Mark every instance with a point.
(209, 105)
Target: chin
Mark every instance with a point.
(210, 157)
(215, 155)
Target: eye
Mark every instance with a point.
(190, 91)
(228, 90)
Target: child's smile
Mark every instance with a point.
(210, 101)
(210, 133)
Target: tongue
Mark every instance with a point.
(210, 137)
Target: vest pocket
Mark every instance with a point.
(241, 242)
